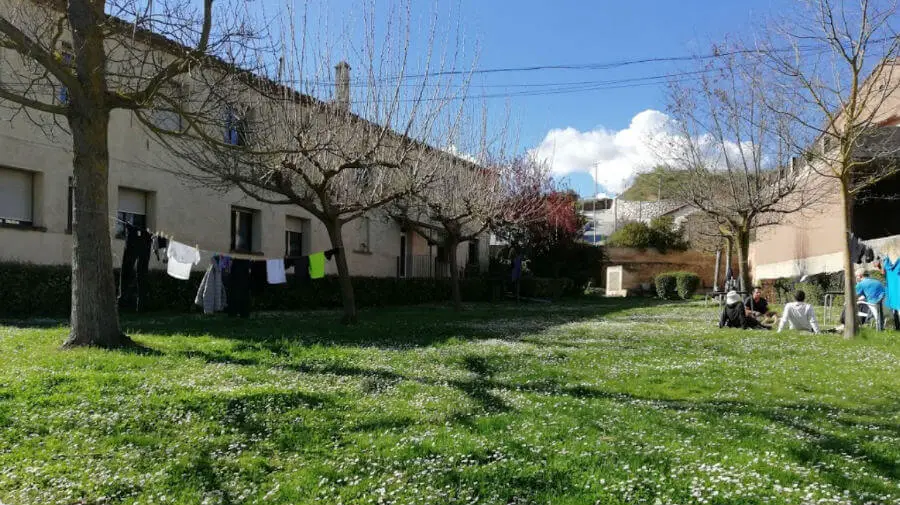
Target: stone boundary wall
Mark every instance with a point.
(642, 266)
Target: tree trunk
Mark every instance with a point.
(456, 297)
(337, 242)
(95, 316)
(742, 237)
(849, 281)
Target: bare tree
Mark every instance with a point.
(468, 198)
(285, 143)
(68, 65)
(819, 59)
(734, 153)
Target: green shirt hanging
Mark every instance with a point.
(317, 265)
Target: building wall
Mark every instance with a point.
(191, 214)
(808, 242)
(640, 267)
(605, 221)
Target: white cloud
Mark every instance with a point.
(614, 158)
(617, 155)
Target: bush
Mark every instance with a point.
(661, 234)
(541, 287)
(28, 290)
(666, 286)
(815, 286)
(686, 284)
(815, 293)
(634, 234)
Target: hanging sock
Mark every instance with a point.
(181, 258)
(317, 265)
(275, 271)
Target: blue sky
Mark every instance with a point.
(592, 125)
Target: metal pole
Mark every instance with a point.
(596, 196)
(716, 273)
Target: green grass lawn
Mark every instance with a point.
(589, 402)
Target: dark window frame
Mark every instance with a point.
(236, 214)
(71, 202)
(289, 251)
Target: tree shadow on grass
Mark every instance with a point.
(388, 328)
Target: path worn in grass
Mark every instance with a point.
(570, 403)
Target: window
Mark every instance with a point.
(16, 197)
(236, 129)
(71, 202)
(364, 235)
(242, 229)
(473, 252)
(132, 209)
(296, 230)
(164, 115)
(67, 59)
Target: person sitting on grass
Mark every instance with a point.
(799, 315)
(733, 314)
(757, 308)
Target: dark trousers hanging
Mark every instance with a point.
(135, 263)
(238, 289)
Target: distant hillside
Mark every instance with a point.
(649, 186)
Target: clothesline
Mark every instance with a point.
(233, 255)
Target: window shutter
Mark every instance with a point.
(16, 191)
(133, 201)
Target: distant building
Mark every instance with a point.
(606, 215)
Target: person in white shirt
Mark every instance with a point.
(799, 315)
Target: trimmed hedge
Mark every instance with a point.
(666, 286)
(28, 290)
(672, 285)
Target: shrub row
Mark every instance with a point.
(542, 287)
(672, 285)
(28, 290)
(815, 287)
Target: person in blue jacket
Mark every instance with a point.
(872, 291)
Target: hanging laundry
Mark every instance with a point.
(259, 276)
(238, 288)
(892, 279)
(275, 271)
(211, 295)
(300, 265)
(160, 243)
(135, 263)
(181, 258)
(331, 253)
(517, 267)
(859, 251)
(317, 265)
(225, 263)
